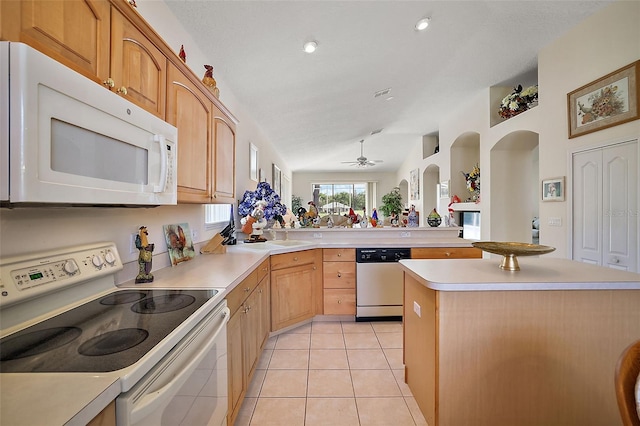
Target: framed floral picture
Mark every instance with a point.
(414, 184)
(276, 179)
(553, 189)
(606, 102)
(253, 162)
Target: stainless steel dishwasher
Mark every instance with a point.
(379, 281)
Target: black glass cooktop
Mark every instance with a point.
(106, 334)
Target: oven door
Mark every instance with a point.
(189, 385)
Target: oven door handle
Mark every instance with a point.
(152, 401)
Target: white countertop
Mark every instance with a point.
(539, 273)
(75, 398)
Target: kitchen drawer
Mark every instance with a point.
(263, 270)
(286, 260)
(446, 253)
(339, 301)
(339, 274)
(239, 294)
(339, 255)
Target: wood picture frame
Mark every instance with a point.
(253, 162)
(605, 102)
(414, 184)
(553, 189)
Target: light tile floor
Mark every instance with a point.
(333, 374)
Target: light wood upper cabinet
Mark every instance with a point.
(192, 113)
(224, 161)
(137, 65)
(75, 33)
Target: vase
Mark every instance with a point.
(434, 221)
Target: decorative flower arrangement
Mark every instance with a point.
(473, 182)
(604, 103)
(518, 101)
(263, 192)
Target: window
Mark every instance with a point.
(216, 215)
(338, 198)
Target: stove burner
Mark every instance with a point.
(37, 342)
(113, 342)
(123, 297)
(161, 304)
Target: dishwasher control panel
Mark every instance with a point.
(381, 255)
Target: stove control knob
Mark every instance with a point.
(97, 261)
(70, 267)
(110, 258)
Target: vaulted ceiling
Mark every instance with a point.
(315, 108)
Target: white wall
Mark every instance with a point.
(35, 229)
(601, 44)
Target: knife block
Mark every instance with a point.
(214, 246)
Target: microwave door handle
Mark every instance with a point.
(164, 154)
(154, 400)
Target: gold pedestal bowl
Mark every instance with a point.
(510, 250)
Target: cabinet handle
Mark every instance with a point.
(447, 254)
(339, 254)
(339, 274)
(109, 83)
(295, 259)
(247, 289)
(122, 91)
(339, 301)
(314, 268)
(260, 291)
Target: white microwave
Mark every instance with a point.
(65, 139)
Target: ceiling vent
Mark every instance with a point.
(382, 92)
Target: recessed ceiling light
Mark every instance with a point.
(310, 46)
(422, 24)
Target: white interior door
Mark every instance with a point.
(620, 203)
(605, 206)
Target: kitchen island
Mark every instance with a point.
(539, 346)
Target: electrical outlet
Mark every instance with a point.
(132, 243)
(194, 235)
(417, 309)
(555, 221)
(405, 234)
(317, 235)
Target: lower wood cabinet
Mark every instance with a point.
(247, 332)
(296, 287)
(446, 253)
(339, 281)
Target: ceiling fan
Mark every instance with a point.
(362, 161)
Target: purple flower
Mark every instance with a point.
(263, 192)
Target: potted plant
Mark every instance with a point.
(392, 202)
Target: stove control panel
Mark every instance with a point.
(28, 276)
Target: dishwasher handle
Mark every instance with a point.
(152, 401)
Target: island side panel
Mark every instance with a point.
(420, 337)
(532, 357)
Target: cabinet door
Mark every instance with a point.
(137, 65)
(340, 301)
(235, 364)
(339, 275)
(250, 330)
(263, 291)
(293, 295)
(224, 161)
(75, 33)
(192, 113)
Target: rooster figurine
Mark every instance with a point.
(210, 82)
(183, 54)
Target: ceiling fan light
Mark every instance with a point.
(422, 24)
(310, 46)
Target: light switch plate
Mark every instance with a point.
(417, 309)
(555, 221)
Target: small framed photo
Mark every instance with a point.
(605, 102)
(553, 189)
(444, 189)
(253, 162)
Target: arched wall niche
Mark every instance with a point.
(465, 153)
(404, 191)
(514, 186)
(431, 179)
